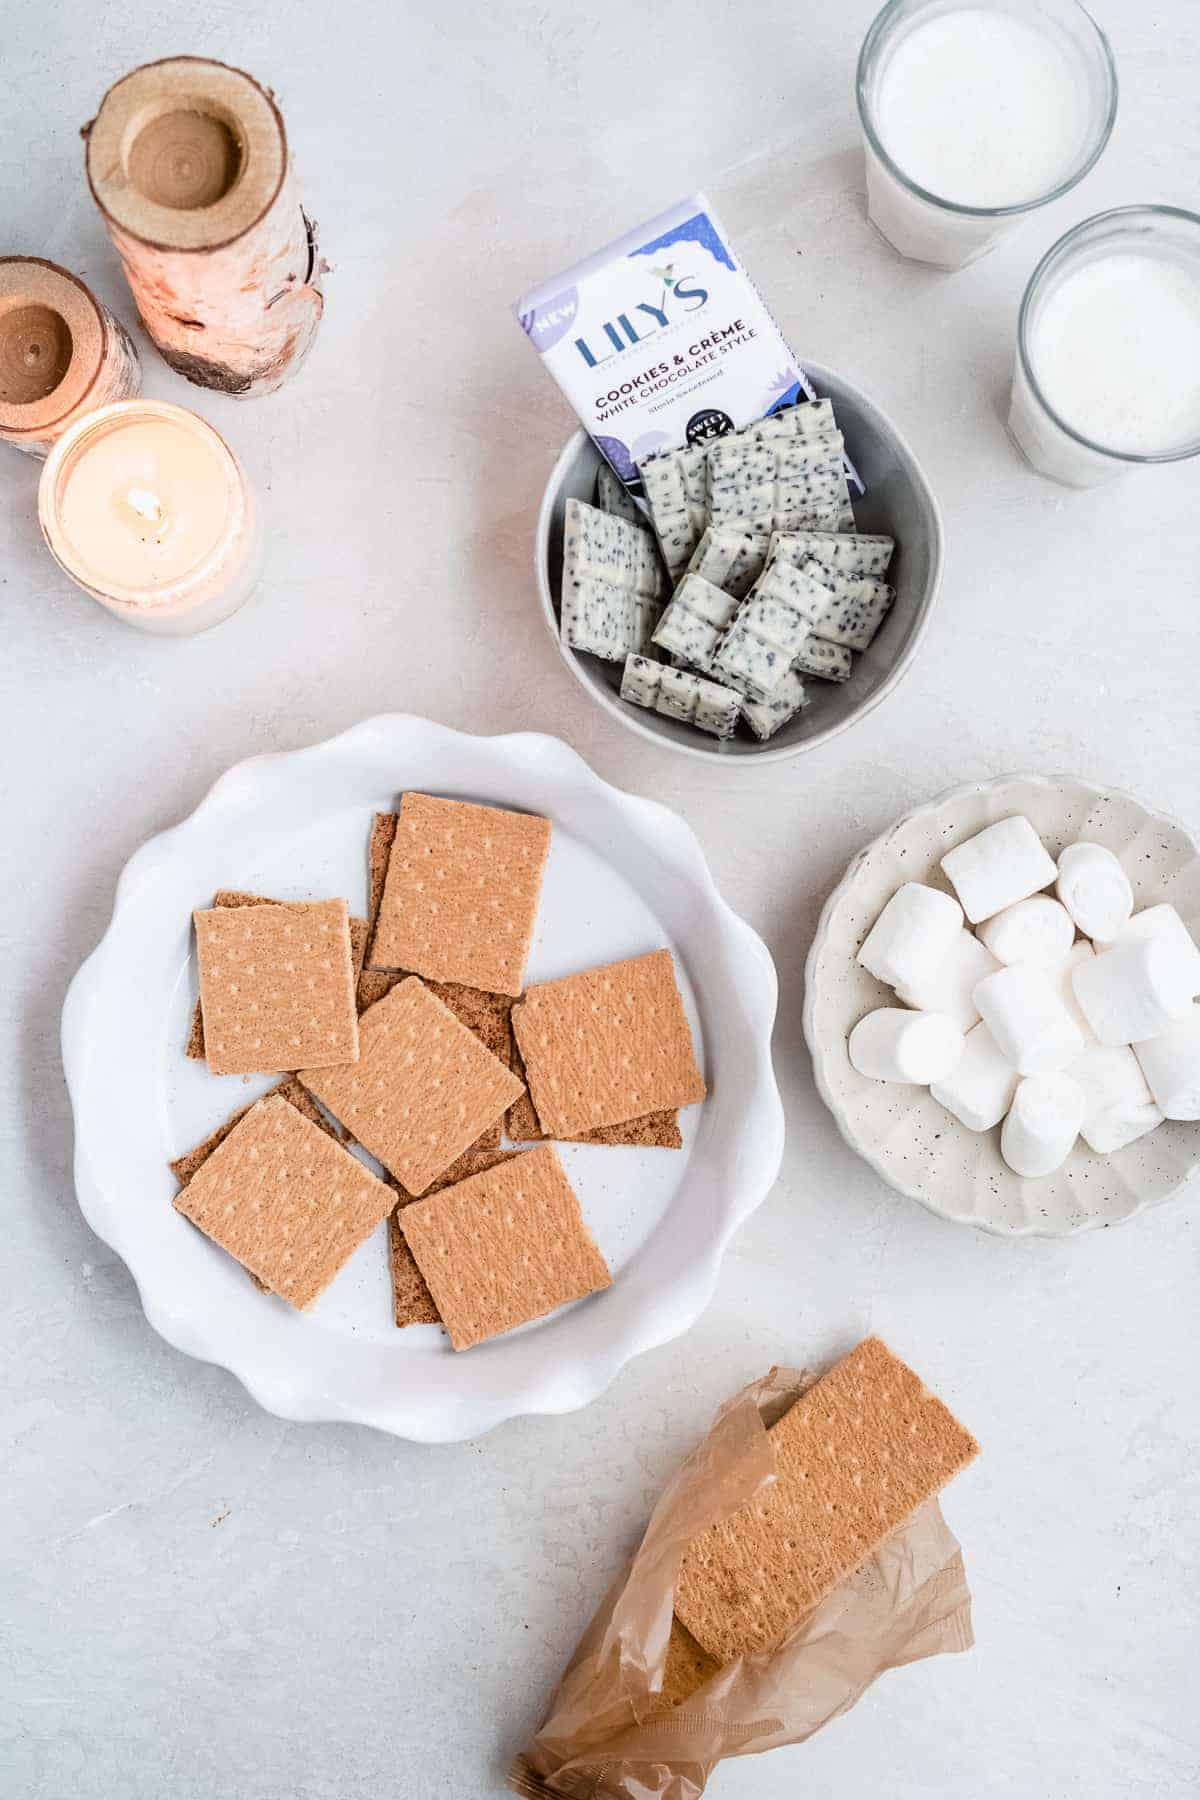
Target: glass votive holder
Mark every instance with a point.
(1107, 373)
(144, 505)
(975, 113)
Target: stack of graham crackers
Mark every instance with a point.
(855, 1457)
(408, 1034)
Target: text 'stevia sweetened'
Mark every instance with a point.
(662, 339)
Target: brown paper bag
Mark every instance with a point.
(611, 1732)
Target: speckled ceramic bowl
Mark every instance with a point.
(918, 1147)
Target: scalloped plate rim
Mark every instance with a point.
(559, 1389)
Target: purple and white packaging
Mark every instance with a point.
(662, 339)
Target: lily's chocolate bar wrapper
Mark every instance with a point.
(662, 340)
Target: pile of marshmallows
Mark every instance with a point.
(1100, 1038)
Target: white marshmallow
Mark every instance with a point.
(1118, 1106)
(1064, 981)
(1042, 1125)
(1164, 922)
(893, 1044)
(1000, 865)
(1171, 1065)
(911, 935)
(1037, 930)
(1133, 991)
(1095, 890)
(980, 1086)
(949, 986)
(1032, 1028)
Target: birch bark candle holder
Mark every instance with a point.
(62, 353)
(188, 162)
(146, 507)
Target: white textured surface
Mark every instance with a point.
(200, 1601)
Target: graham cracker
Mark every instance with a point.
(379, 849)
(411, 1298)
(185, 1166)
(289, 1089)
(461, 893)
(286, 1200)
(607, 1045)
(276, 986)
(422, 1090)
(688, 1666)
(656, 1131)
(487, 1015)
(223, 897)
(504, 1247)
(855, 1456)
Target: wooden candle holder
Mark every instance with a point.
(62, 353)
(188, 162)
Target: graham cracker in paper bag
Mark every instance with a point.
(643, 1712)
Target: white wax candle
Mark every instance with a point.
(147, 508)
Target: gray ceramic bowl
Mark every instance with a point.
(899, 500)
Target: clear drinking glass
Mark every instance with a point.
(1107, 373)
(975, 113)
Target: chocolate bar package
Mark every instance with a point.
(662, 340)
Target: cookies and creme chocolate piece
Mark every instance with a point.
(696, 617)
(855, 1457)
(276, 986)
(679, 694)
(766, 717)
(461, 894)
(286, 1200)
(504, 1247)
(730, 556)
(609, 1044)
(612, 496)
(854, 609)
(422, 1090)
(675, 483)
(613, 583)
(412, 1302)
(772, 626)
(848, 552)
(777, 481)
(829, 662)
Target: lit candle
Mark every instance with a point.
(148, 509)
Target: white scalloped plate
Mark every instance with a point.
(918, 1147)
(624, 875)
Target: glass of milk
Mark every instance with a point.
(1108, 347)
(975, 112)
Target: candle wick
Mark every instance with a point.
(146, 504)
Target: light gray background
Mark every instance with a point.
(203, 1602)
